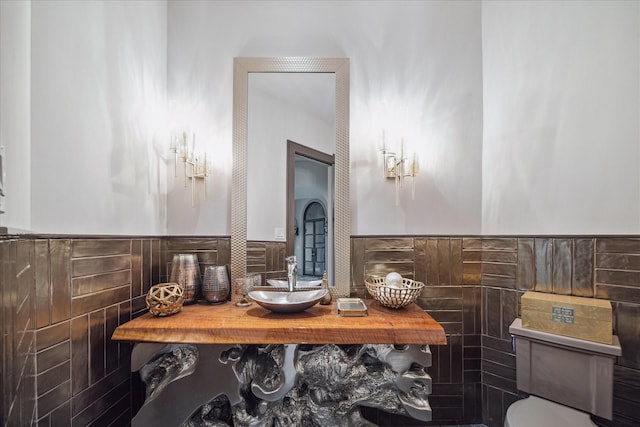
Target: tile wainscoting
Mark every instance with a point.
(63, 296)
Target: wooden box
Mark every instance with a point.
(585, 318)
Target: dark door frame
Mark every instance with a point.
(293, 149)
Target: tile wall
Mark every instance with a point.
(267, 259)
(603, 267)
(62, 298)
(451, 271)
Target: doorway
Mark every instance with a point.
(314, 240)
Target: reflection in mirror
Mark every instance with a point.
(270, 167)
(310, 214)
(281, 107)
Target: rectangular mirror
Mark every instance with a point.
(290, 73)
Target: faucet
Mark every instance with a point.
(292, 272)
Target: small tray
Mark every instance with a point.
(351, 307)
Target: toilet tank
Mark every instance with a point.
(569, 371)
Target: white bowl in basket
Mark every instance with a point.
(393, 297)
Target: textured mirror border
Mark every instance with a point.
(241, 69)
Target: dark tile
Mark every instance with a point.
(618, 261)
(100, 264)
(471, 310)
(492, 311)
(500, 257)
(499, 357)
(111, 347)
(100, 405)
(96, 346)
(61, 416)
(544, 262)
(497, 344)
(502, 244)
(444, 363)
(509, 310)
(618, 293)
(80, 353)
(43, 284)
(388, 243)
(455, 264)
(457, 365)
(472, 406)
(618, 277)
(628, 330)
(94, 301)
(53, 355)
(100, 282)
(617, 245)
(51, 378)
(52, 400)
(508, 282)
(499, 269)
(498, 382)
(526, 265)
(472, 352)
(497, 369)
(562, 264)
(86, 397)
(472, 273)
(60, 258)
(52, 335)
(99, 247)
(139, 273)
(493, 409)
(582, 282)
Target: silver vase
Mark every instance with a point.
(215, 284)
(185, 270)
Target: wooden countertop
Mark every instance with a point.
(320, 324)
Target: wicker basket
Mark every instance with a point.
(165, 299)
(393, 297)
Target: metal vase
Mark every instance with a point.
(185, 270)
(215, 284)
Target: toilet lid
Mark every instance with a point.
(536, 412)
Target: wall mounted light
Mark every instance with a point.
(196, 168)
(397, 166)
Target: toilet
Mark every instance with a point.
(567, 379)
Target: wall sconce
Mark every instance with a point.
(195, 169)
(397, 167)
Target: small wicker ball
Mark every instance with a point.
(165, 299)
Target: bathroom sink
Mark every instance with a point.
(280, 300)
(300, 283)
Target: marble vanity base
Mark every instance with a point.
(279, 384)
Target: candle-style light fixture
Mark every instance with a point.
(397, 166)
(196, 168)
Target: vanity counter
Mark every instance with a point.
(321, 324)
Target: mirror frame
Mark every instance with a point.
(342, 244)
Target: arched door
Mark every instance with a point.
(315, 240)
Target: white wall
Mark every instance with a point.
(557, 83)
(415, 71)
(98, 82)
(15, 127)
(561, 144)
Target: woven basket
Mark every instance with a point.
(393, 297)
(165, 299)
